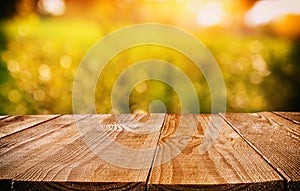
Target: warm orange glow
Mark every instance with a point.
(264, 12)
(288, 25)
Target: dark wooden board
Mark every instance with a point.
(14, 124)
(275, 138)
(230, 164)
(293, 116)
(63, 155)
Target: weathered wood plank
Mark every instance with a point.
(76, 155)
(229, 164)
(275, 138)
(2, 116)
(14, 124)
(65, 186)
(293, 116)
(25, 147)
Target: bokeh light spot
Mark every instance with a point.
(45, 73)
(13, 66)
(39, 95)
(65, 61)
(14, 96)
(211, 13)
(141, 88)
(259, 64)
(54, 7)
(264, 12)
(255, 78)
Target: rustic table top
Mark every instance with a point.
(227, 151)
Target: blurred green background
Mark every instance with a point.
(43, 41)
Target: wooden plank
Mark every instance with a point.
(86, 186)
(293, 116)
(23, 148)
(70, 156)
(14, 124)
(230, 164)
(2, 116)
(275, 138)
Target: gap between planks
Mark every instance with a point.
(291, 116)
(43, 163)
(275, 138)
(156, 150)
(280, 172)
(14, 124)
(233, 175)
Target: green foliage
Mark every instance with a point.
(40, 59)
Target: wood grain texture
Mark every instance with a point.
(84, 186)
(57, 155)
(230, 164)
(115, 152)
(24, 148)
(293, 116)
(275, 138)
(14, 124)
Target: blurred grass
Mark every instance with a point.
(40, 56)
(41, 59)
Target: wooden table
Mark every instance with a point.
(253, 151)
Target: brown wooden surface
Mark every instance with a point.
(256, 151)
(275, 138)
(293, 116)
(13, 124)
(229, 164)
(53, 155)
(2, 116)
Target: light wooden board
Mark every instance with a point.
(25, 147)
(275, 138)
(14, 124)
(2, 116)
(230, 164)
(57, 155)
(293, 116)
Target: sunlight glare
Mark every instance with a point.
(264, 12)
(211, 13)
(54, 7)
